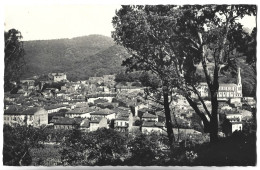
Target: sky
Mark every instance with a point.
(38, 22)
(54, 21)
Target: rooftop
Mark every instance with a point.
(152, 124)
(68, 121)
(31, 111)
(149, 115)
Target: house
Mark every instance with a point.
(142, 111)
(149, 117)
(55, 108)
(232, 122)
(35, 116)
(98, 122)
(109, 114)
(83, 112)
(129, 89)
(122, 112)
(54, 119)
(67, 123)
(149, 127)
(107, 96)
(140, 106)
(94, 124)
(229, 127)
(121, 124)
(58, 77)
(13, 116)
(234, 116)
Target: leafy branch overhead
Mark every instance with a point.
(171, 42)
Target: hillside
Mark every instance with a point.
(67, 55)
(104, 62)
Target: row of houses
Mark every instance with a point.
(36, 117)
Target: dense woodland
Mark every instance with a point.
(80, 58)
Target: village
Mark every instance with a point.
(100, 102)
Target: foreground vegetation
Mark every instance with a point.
(43, 146)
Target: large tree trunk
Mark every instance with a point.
(214, 113)
(168, 116)
(214, 129)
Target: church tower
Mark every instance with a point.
(239, 83)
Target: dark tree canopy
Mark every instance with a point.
(17, 144)
(14, 57)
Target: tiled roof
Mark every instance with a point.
(152, 124)
(148, 115)
(227, 85)
(122, 118)
(50, 107)
(68, 121)
(99, 113)
(144, 110)
(236, 122)
(31, 111)
(81, 110)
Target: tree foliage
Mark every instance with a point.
(17, 144)
(146, 149)
(101, 147)
(14, 57)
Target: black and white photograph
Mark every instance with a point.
(129, 84)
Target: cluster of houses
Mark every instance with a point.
(84, 117)
(100, 102)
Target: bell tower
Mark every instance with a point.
(239, 83)
(238, 76)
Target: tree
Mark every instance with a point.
(170, 41)
(145, 150)
(14, 57)
(101, 147)
(18, 141)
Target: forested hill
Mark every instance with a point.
(79, 57)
